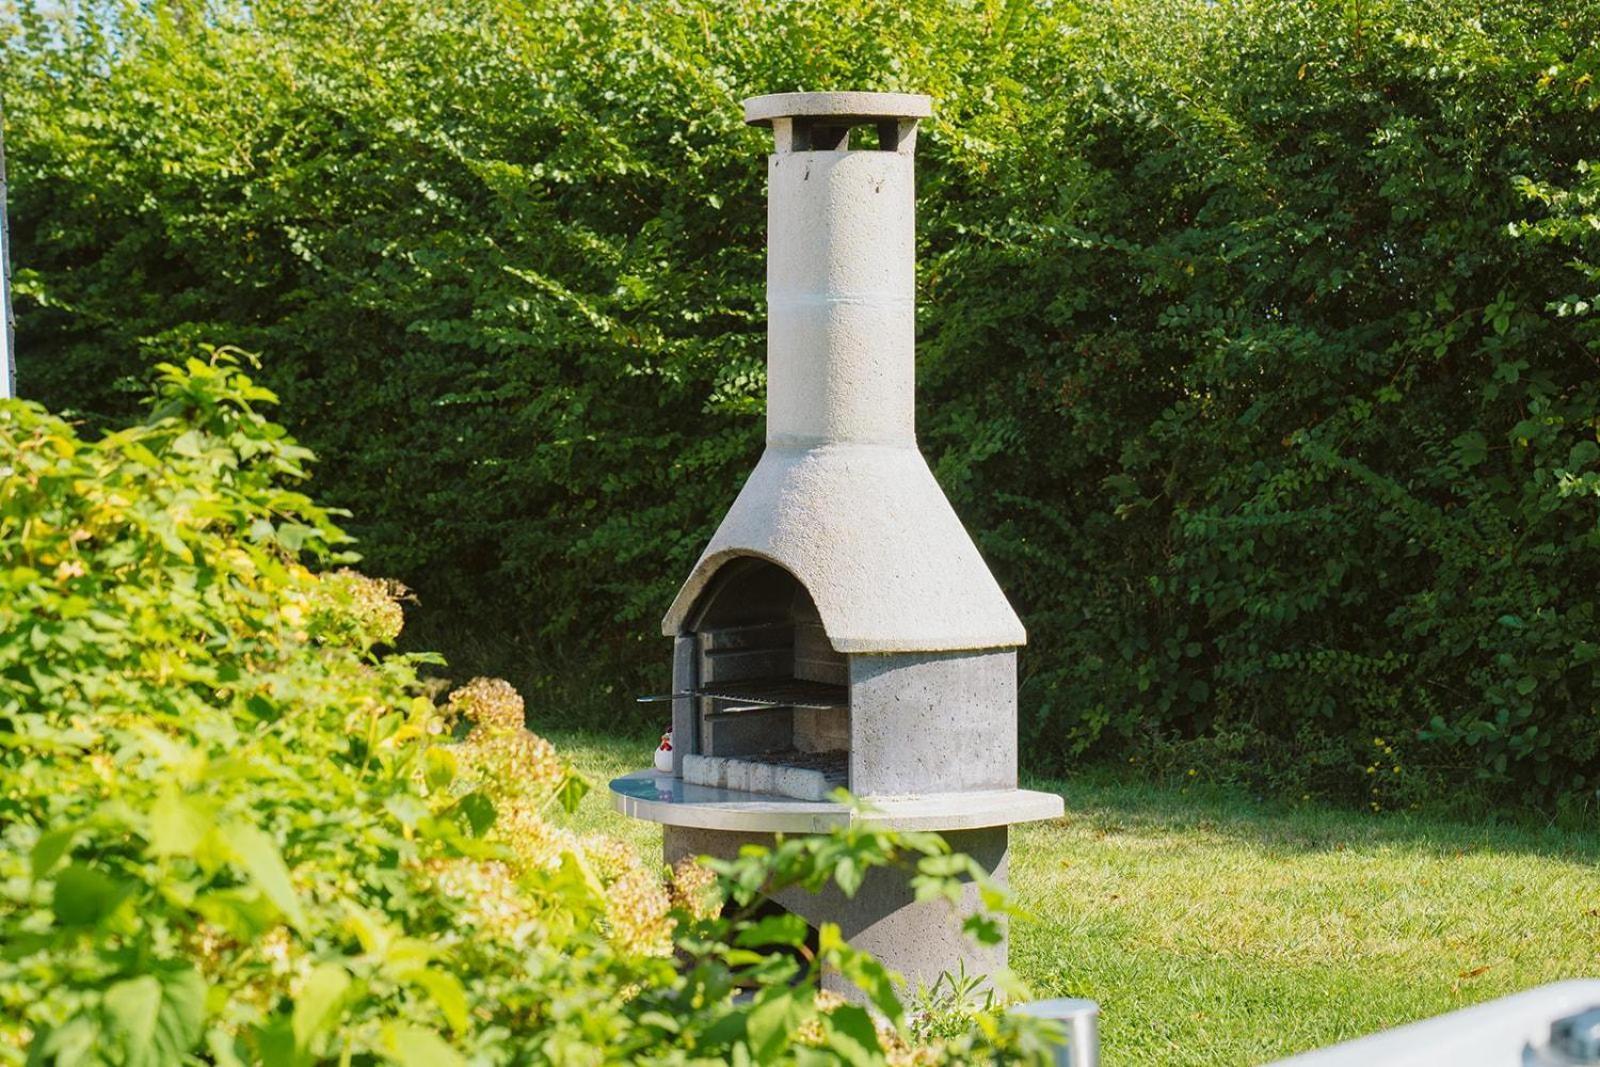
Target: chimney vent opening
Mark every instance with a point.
(826, 122)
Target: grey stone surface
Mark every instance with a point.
(869, 533)
(918, 940)
(802, 783)
(942, 720)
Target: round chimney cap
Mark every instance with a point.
(842, 108)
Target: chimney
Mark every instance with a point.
(842, 499)
(841, 267)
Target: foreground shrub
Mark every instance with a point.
(1256, 339)
(233, 830)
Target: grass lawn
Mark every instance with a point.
(1217, 930)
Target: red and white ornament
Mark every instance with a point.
(664, 754)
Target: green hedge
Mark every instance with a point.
(1256, 343)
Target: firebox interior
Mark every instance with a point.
(771, 697)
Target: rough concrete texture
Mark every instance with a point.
(944, 721)
(868, 532)
(919, 941)
(841, 286)
(842, 499)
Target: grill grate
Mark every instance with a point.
(769, 693)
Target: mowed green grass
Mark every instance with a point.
(1217, 930)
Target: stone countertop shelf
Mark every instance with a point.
(665, 799)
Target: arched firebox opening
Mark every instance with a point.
(769, 698)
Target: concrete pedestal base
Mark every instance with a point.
(920, 941)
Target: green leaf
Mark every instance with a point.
(70, 1043)
(770, 1024)
(84, 896)
(178, 824)
(784, 928)
(479, 812)
(447, 994)
(984, 929)
(440, 769)
(851, 1034)
(258, 855)
(573, 789)
(407, 808)
(317, 1006)
(413, 1046)
(245, 915)
(190, 444)
(849, 875)
(1472, 448)
(156, 1019)
(49, 850)
(875, 980)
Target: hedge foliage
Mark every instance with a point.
(233, 831)
(1257, 339)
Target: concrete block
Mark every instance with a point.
(705, 770)
(933, 722)
(802, 783)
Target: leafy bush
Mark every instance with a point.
(232, 830)
(1257, 338)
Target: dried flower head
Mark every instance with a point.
(609, 858)
(534, 843)
(491, 898)
(492, 705)
(636, 913)
(694, 889)
(362, 611)
(512, 764)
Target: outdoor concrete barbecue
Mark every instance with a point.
(841, 629)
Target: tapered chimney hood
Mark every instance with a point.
(842, 499)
